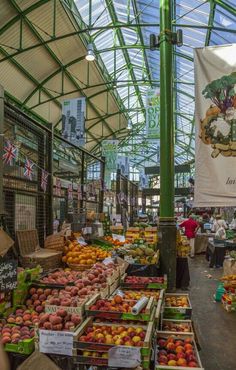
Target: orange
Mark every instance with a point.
(64, 259)
(70, 260)
(82, 262)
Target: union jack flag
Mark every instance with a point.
(70, 191)
(28, 169)
(58, 187)
(44, 180)
(10, 153)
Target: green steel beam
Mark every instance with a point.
(137, 17)
(113, 15)
(210, 22)
(166, 114)
(225, 6)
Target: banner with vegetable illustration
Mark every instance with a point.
(215, 121)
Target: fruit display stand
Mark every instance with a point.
(177, 326)
(176, 352)
(177, 306)
(92, 309)
(139, 282)
(93, 343)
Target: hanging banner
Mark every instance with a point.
(44, 180)
(153, 113)
(215, 122)
(109, 151)
(10, 153)
(123, 165)
(73, 117)
(143, 181)
(70, 191)
(58, 187)
(28, 169)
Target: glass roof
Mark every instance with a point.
(135, 68)
(125, 65)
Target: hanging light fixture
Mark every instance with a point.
(90, 57)
(129, 126)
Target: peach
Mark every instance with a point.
(47, 325)
(32, 291)
(6, 340)
(172, 363)
(181, 362)
(26, 317)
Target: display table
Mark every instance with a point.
(229, 266)
(143, 270)
(182, 273)
(215, 253)
(201, 242)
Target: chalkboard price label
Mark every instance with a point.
(8, 275)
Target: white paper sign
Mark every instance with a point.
(81, 241)
(57, 342)
(120, 238)
(108, 260)
(121, 356)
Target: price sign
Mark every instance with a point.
(8, 275)
(56, 342)
(120, 238)
(121, 356)
(108, 260)
(81, 241)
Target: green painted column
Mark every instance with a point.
(166, 114)
(167, 225)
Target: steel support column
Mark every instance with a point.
(167, 234)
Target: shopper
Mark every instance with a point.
(190, 229)
(55, 225)
(219, 223)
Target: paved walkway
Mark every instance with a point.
(215, 327)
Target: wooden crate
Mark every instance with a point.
(177, 313)
(102, 347)
(143, 316)
(151, 285)
(172, 323)
(162, 334)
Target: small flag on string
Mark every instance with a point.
(28, 169)
(10, 153)
(44, 180)
(58, 187)
(70, 191)
(79, 192)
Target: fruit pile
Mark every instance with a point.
(136, 295)
(144, 280)
(69, 297)
(15, 334)
(176, 301)
(95, 354)
(61, 277)
(176, 327)
(176, 352)
(116, 304)
(114, 335)
(59, 321)
(23, 317)
(83, 255)
(37, 297)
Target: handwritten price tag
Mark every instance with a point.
(56, 342)
(120, 238)
(128, 357)
(8, 275)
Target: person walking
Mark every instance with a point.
(190, 229)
